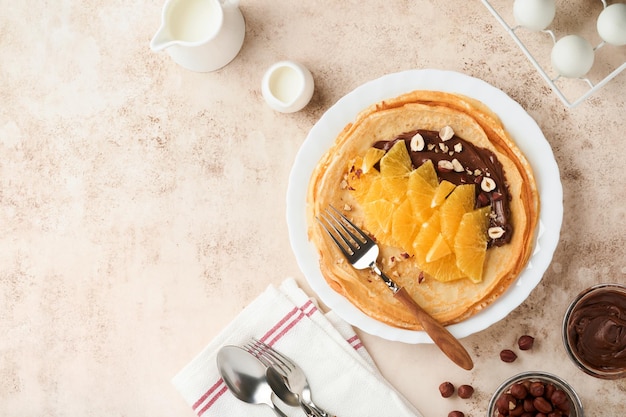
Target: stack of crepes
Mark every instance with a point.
(451, 301)
(342, 376)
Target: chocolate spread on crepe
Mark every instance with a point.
(449, 302)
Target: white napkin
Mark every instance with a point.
(343, 378)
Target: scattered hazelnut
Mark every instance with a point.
(417, 143)
(445, 166)
(487, 184)
(443, 147)
(458, 147)
(508, 356)
(495, 232)
(347, 207)
(525, 342)
(446, 133)
(446, 389)
(456, 165)
(465, 391)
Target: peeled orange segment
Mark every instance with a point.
(439, 249)
(404, 226)
(443, 190)
(396, 162)
(420, 192)
(395, 188)
(358, 182)
(459, 202)
(372, 156)
(427, 171)
(470, 243)
(361, 186)
(378, 216)
(443, 269)
(376, 190)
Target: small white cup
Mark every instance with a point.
(287, 86)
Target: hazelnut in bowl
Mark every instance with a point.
(594, 331)
(535, 393)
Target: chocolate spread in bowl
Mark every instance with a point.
(596, 330)
(474, 164)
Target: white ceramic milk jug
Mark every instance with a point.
(200, 35)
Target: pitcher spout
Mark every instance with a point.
(161, 40)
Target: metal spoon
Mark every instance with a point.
(283, 392)
(245, 376)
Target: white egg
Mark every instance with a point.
(572, 56)
(612, 24)
(534, 14)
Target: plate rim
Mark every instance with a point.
(538, 152)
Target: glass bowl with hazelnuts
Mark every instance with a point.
(535, 393)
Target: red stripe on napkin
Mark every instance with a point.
(280, 329)
(355, 342)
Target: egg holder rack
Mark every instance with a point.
(593, 87)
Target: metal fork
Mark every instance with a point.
(291, 374)
(362, 252)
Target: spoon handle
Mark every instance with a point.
(276, 409)
(314, 410)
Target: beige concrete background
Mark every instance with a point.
(142, 206)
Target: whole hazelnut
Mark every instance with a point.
(525, 342)
(446, 389)
(542, 405)
(519, 391)
(536, 389)
(508, 356)
(558, 397)
(465, 391)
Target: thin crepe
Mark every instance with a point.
(448, 302)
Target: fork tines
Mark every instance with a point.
(347, 236)
(268, 355)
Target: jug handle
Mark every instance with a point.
(229, 4)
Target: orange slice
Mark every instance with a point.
(404, 226)
(375, 191)
(470, 243)
(395, 188)
(396, 162)
(442, 269)
(438, 250)
(372, 156)
(427, 171)
(443, 190)
(459, 202)
(378, 216)
(420, 192)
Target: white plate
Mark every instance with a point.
(520, 126)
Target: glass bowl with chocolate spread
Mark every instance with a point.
(594, 331)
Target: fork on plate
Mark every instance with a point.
(362, 253)
(292, 376)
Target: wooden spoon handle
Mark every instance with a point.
(448, 344)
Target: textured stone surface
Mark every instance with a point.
(142, 206)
